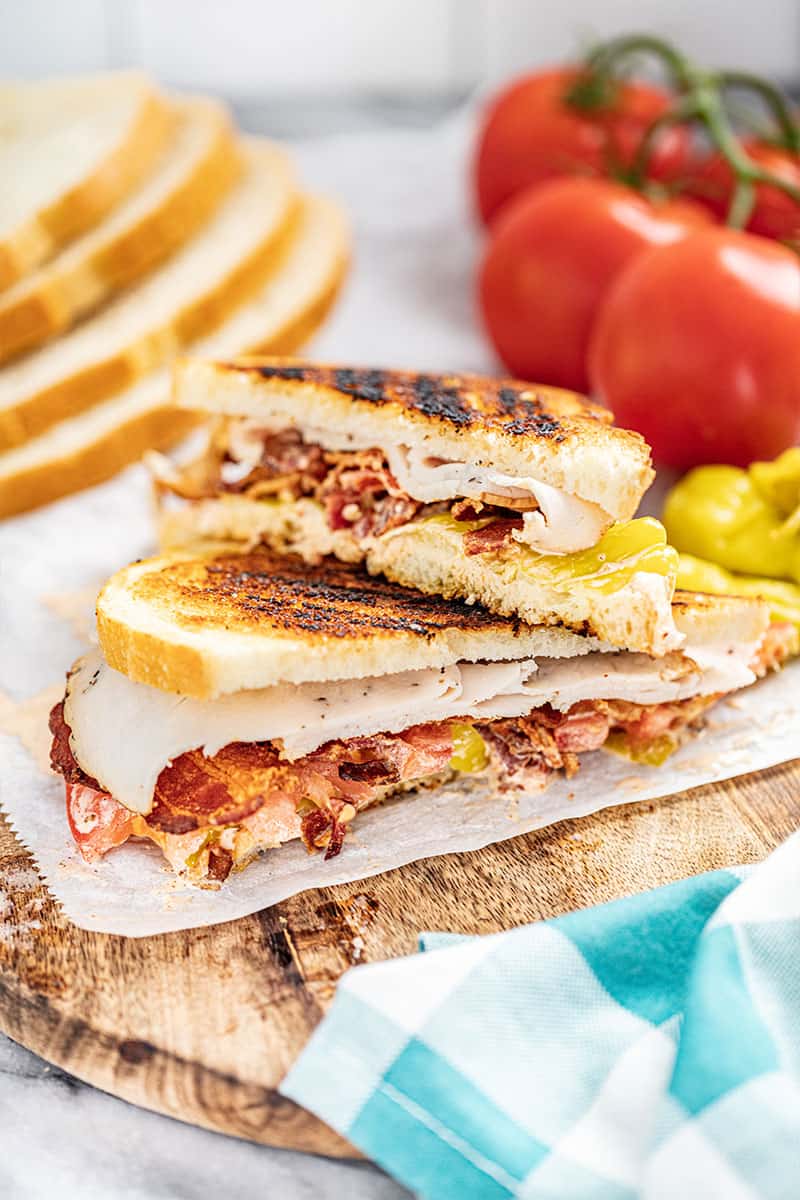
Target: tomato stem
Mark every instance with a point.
(606, 57)
(775, 101)
(712, 114)
(700, 99)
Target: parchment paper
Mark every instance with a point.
(408, 305)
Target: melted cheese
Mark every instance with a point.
(125, 733)
(562, 524)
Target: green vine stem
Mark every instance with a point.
(775, 101)
(700, 100)
(606, 58)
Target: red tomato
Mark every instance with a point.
(775, 214)
(698, 347)
(530, 133)
(552, 254)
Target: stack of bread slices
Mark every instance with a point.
(135, 227)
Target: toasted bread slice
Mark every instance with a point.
(187, 298)
(70, 149)
(632, 610)
(213, 625)
(197, 166)
(208, 626)
(94, 445)
(522, 429)
(709, 619)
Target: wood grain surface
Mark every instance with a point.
(202, 1025)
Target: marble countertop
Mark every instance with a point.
(63, 1138)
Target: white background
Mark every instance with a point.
(259, 49)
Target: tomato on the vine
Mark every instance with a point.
(531, 133)
(551, 257)
(698, 348)
(775, 214)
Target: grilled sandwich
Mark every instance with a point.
(516, 496)
(263, 700)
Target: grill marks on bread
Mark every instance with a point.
(458, 401)
(270, 593)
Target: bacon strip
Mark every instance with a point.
(491, 537)
(356, 487)
(196, 793)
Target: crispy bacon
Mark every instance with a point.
(96, 820)
(527, 749)
(220, 862)
(646, 723)
(581, 729)
(491, 537)
(332, 784)
(361, 494)
(356, 487)
(288, 465)
(195, 791)
(62, 760)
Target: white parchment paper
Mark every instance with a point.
(409, 304)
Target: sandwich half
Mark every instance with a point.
(263, 700)
(512, 495)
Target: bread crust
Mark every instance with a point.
(73, 283)
(705, 618)
(211, 625)
(54, 474)
(218, 623)
(522, 429)
(637, 616)
(36, 408)
(88, 200)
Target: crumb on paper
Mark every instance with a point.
(633, 783)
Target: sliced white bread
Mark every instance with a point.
(186, 298)
(198, 165)
(526, 430)
(429, 557)
(94, 445)
(206, 627)
(70, 149)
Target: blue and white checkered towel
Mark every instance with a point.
(647, 1048)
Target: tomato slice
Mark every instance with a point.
(97, 821)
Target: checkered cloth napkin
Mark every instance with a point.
(647, 1048)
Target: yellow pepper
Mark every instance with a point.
(747, 521)
(699, 576)
(651, 754)
(469, 749)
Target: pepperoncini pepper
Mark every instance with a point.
(783, 598)
(469, 749)
(747, 521)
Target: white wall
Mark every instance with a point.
(252, 48)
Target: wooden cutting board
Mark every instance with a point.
(203, 1025)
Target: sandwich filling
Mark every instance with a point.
(214, 782)
(369, 491)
